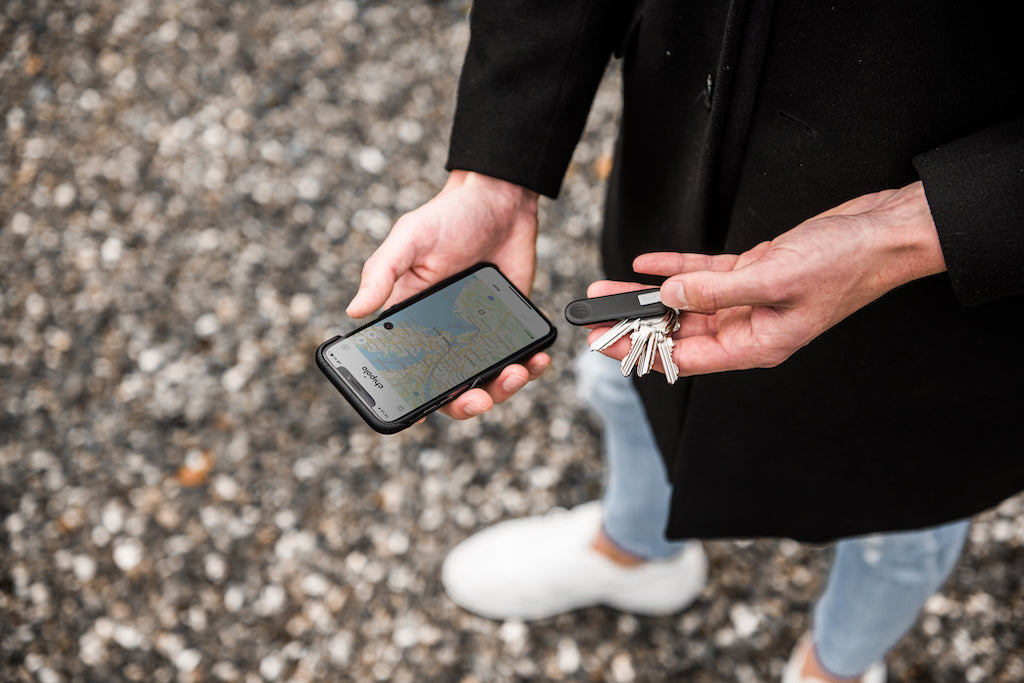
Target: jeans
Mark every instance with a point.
(877, 584)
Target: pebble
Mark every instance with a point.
(128, 554)
(190, 191)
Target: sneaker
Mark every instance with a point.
(791, 674)
(537, 567)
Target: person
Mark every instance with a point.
(832, 194)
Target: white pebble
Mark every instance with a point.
(339, 648)
(128, 554)
(315, 585)
(21, 223)
(271, 600)
(215, 566)
(91, 649)
(271, 667)
(308, 188)
(206, 325)
(234, 598)
(112, 250)
(150, 360)
(188, 660)
(568, 656)
(372, 160)
(744, 620)
(112, 517)
(84, 568)
(127, 636)
(622, 668)
(64, 195)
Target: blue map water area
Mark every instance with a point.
(439, 310)
(434, 312)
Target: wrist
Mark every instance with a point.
(506, 193)
(906, 232)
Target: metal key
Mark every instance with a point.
(639, 339)
(650, 339)
(665, 347)
(617, 332)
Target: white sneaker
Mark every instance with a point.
(537, 567)
(791, 674)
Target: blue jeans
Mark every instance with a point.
(877, 584)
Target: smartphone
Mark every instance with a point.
(425, 351)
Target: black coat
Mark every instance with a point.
(741, 120)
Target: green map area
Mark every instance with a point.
(439, 342)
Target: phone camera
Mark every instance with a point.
(389, 326)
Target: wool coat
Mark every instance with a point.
(740, 120)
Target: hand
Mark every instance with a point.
(474, 218)
(755, 309)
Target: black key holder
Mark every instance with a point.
(644, 303)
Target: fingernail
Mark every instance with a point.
(475, 409)
(352, 305)
(681, 301)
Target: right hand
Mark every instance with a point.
(474, 218)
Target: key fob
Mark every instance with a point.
(643, 303)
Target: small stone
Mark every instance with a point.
(196, 470)
(188, 660)
(206, 326)
(372, 160)
(112, 250)
(128, 554)
(271, 667)
(568, 656)
(622, 668)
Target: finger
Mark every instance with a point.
(470, 404)
(708, 291)
(667, 263)
(608, 287)
(509, 381)
(505, 385)
(751, 255)
(537, 364)
(375, 286)
(393, 258)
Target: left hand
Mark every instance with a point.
(755, 309)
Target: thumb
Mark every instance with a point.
(374, 290)
(707, 291)
(380, 273)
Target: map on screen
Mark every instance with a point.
(435, 344)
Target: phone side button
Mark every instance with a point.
(450, 397)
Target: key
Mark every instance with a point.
(650, 349)
(617, 332)
(650, 338)
(670, 323)
(639, 340)
(665, 347)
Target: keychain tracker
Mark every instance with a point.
(644, 303)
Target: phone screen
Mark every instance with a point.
(428, 348)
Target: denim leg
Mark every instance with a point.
(636, 498)
(876, 588)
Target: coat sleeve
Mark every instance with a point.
(975, 189)
(531, 70)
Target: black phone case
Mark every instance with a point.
(616, 307)
(430, 406)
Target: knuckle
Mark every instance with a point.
(704, 296)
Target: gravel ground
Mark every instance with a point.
(187, 193)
